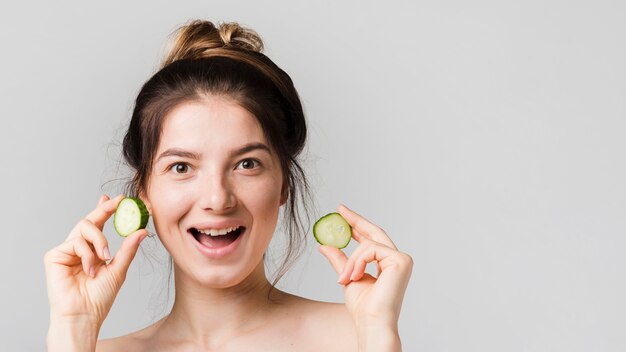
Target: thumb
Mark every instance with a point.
(125, 255)
(336, 257)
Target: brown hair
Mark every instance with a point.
(225, 60)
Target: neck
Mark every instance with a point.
(209, 316)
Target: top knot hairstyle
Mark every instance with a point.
(199, 39)
(225, 60)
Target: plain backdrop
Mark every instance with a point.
(487, 138)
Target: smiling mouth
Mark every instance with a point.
(217, 240)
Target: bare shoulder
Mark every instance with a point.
(136, 341)
(318, 310)
(313, 317)
(114, 344)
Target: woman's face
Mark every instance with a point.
(215, 190)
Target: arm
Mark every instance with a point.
(383, 339)
(72, 336)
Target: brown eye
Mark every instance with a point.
(248, 164)
(180, 168)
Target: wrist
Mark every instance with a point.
(374, 337)
(75, 334)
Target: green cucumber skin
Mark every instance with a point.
(315, 234)
(142, 209)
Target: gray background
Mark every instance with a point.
(486, 137)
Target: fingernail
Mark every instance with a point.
(105, 253)
(345, 276)
(341, 279)
(353, 276)
(92, 271)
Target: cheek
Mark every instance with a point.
(168, 203)
(262, 200)
(265, 194)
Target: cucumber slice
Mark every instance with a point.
(131, 215)
(332, 230)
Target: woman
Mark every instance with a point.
(214, 141)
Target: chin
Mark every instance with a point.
(223, 276)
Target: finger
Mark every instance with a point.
(78, 247)
(360, 238)
(367, 252)
(104, 211)
(103, 198)
(94, 235)
(336, 257)
(344, 277)
(348, 269)
(359, 269)
(364, 227)
(125, 255)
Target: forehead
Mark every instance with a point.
(210, 123)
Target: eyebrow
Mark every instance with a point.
(191, 155)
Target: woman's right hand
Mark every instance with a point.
(81, 285)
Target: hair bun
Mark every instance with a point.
(196, 39)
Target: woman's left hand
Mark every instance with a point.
(373, 302)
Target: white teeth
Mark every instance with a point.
(218, 232)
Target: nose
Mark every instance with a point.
(216, 194)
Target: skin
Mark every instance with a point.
(221, 304)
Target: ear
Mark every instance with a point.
(145, 200)
(284, 194)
